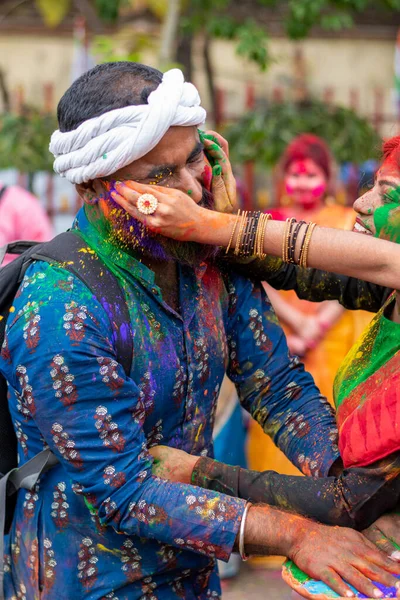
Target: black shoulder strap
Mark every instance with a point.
(17, 248)
(73, 254)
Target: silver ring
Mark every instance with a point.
(147, 204)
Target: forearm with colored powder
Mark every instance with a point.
(354, 499)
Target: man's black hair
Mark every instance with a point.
(104, 88)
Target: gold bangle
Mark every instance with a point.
(301, 253)
(240, 232)
(256, 251)
(233, 232)
(260, 235)
(267, 218)
(306, 245)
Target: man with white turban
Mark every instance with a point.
(99, 524)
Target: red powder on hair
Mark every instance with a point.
(310, 146)
(391, 151)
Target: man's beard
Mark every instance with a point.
(134, 236)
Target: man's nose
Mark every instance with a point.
(191, 185)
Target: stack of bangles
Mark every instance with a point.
(251, 227)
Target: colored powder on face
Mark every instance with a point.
(387, 222)
(207, 177)
(104, 156)
(189, 192)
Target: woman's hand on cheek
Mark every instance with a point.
(177, 216)
(223, 183)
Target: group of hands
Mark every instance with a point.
(334, 555)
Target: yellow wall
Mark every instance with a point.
(342, 63)
(31, 62)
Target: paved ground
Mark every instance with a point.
(256, 584)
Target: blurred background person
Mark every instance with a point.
(22, 217)
(321, 334)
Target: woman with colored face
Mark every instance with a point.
(367, 385)
(306, 183)
(306, 167)
(321, 333)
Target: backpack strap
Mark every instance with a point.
(18, 247)
(74, 255)
(24, 477)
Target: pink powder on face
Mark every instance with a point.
(319, 190)
(301, 166)
(207, 177)
(305, 182)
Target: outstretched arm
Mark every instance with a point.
(345, 252)
(314, 285)
(356, 498)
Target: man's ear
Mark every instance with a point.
(92, 191)
(87, 192)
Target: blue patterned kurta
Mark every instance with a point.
(99, 524)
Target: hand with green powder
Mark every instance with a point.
(223, 184)
(173, 464)
(385, 534)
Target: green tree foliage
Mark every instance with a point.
(215, 18)
(261, 136)
(24, 141)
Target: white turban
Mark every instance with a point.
(104, 144)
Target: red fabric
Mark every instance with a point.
(369, 420)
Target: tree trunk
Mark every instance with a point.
(184, 55)
(210, 81)
(4, 93)
(168, 34)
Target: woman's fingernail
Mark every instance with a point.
(217, 170)
(378, 593)
(349, 594)
(395, 555)
(397, 585)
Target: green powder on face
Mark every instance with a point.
(387, 217)
(189, 192)
(387, 222)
